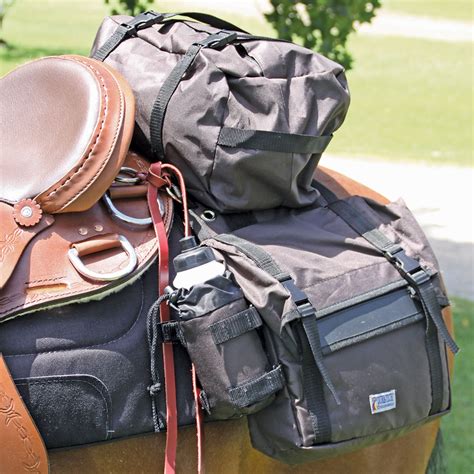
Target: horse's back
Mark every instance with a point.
(227, 444)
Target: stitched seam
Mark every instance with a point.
(110, 151)
(343, 274)
(389, 290)
(45, 280)
(105, 111)
(112, 341)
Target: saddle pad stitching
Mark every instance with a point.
(94, 145)
(112, 341)
(106, 402)
(72, 293)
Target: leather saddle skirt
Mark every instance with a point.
(74, 223)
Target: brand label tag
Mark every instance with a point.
(380, 402)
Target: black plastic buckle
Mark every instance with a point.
(298, 296)
(219, 40)
(418, 278)
(403, 261)
(409, 267)
(142, 21)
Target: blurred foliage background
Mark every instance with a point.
(411, 97)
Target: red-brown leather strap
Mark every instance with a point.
(21, 447)
(196, 389)
(168, 356)
(97, 244)
(199, 422)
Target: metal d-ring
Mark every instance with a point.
(127, 247)
(131, 172)
(126, 218)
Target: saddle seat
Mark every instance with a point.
(66, 124)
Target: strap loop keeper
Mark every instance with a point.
(170, 331)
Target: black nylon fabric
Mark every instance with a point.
(113, 396)
(272, 141)
(170, 86)
(235, 325)
(351, 271)
(234, 371)
(187, 97)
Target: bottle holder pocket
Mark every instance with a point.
(219, 330)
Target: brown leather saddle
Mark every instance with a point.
(74, 223)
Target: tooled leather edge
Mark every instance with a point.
(14, 239)
(22, 448)
(13, 310)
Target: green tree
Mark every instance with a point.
(4, 6)
(128, 7)
(321, 25)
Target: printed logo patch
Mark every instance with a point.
(380, 402)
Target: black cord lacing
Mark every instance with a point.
(152, 321)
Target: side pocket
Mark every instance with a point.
(68, 409)
(220, 334)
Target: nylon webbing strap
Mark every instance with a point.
(170, 331)
(171, 83)
(261, 258)
(126, 30)
(436, 366)
(258, 389)
(419, 280)
(408, 267)
(235, 325)
(313, 388)
(272, 141)
(306, 310)
(211, 21)
(310, 326)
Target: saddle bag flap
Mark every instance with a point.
(361, 347)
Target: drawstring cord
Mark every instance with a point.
(152, 337)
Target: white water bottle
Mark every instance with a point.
(195, 264)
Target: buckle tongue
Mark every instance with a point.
(403, 261)
(142, 21)
(220, 39)
(410, 268)
(298, 296)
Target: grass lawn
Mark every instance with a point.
(411, 99)
(446, 9)
(458, 426)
